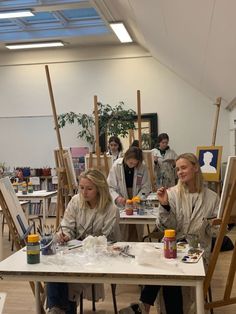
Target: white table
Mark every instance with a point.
(148, 218)
(105, 269)
(41, 195)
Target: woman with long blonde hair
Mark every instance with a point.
(187, 208)
(91, 212)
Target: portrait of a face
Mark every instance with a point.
(210, 161)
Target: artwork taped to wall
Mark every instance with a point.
(230, 178)
(78, 158)
(14, 207)
(210, 162)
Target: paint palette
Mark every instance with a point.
(193, 255)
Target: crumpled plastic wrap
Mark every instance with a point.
(92, 243)
(94, 251)
(148, 255)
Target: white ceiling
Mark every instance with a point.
(194, 38)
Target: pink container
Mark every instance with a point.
(170, 249)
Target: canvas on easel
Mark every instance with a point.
(10, 201)
(230, 175)
(67, 160)
(16, 221)
(226, 215)
(149, 161)
(104, 165)
(210, 161)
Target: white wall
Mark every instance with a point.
(28, 139)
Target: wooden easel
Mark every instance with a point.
(97, 160)
(65, 189)
(18, 240)
(227, 218)
(218, 104)
(147, 154)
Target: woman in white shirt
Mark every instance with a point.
(186, 208)
(128, 177)
(115, 148)
(164, 162)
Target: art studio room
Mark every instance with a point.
(118, 157)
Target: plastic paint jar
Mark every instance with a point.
(33, 249)
(30, 187)
(170, 249)
(129, 207)
(24, 188)
(15, 187)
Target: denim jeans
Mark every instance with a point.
(172, 297)
(57, 295)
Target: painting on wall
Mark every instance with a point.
(210, 162)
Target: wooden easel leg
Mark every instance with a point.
(231, 275)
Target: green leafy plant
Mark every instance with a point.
(114, 120)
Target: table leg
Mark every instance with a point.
(199, 298)
(44, 210)
(37, 297)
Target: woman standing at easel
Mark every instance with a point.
(128, 177)
(164, 160)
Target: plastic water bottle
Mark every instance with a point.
(142, 207)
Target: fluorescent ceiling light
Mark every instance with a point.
(15, 14)
(46, 44)
(121, 32)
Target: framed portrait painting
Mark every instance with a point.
(210, 162)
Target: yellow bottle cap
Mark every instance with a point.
(136, 199)
(33, 238)
(169, 233)
(129, 202)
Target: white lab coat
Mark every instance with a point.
(117, 185)
(79, 223)
(164, 169)
(185, 221)
(115, 157)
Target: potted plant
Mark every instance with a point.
(114, 120)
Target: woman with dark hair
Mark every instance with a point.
(115, 148)
(91, 212)
(135, 143)
(164, 159)
(128, 177)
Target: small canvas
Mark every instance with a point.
(210, 161)
(14, 207)
(230, 177)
